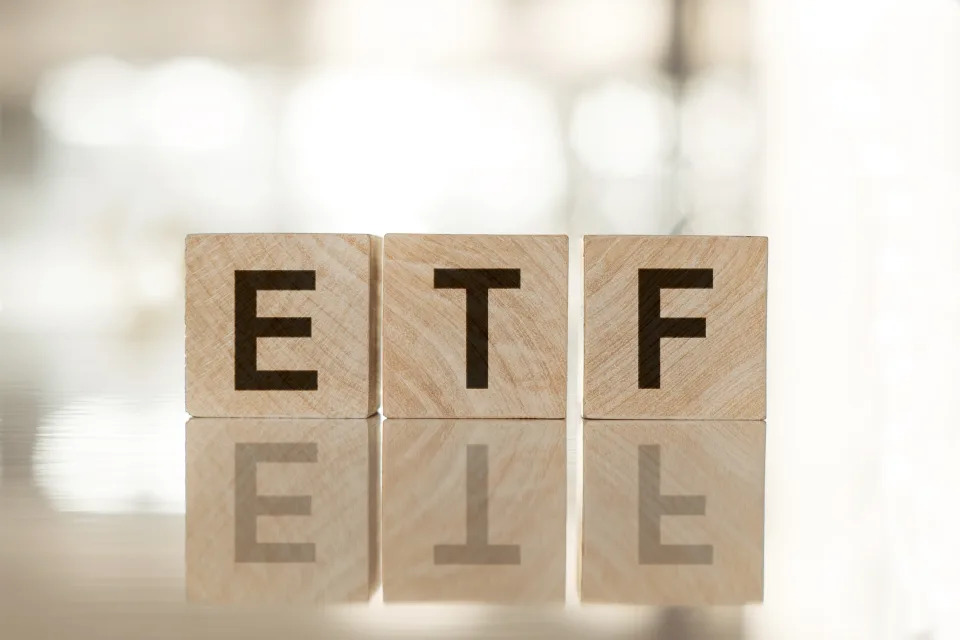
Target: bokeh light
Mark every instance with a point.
(622, 129)
(89, 102)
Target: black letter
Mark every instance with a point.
(652, 327)
(249, 505)
(652, 506)
(478, 550)
(478, 283)
(248, 327)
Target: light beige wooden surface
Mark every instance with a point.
(342, 525)
(720, 376)
(721, 461)
(425, 503)
(424, 329)
(344, 311)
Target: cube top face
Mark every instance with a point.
(282, 325)
(673, 512)
(475, 326)
(282, 511)
(675, 327)
(474, 511)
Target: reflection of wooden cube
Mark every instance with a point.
(475, 326)
(673, 512)
(675, 327)
(283, 325)
(282, 510)
(474, 510)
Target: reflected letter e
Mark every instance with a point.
(249, 505)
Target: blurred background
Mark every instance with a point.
(832, 126)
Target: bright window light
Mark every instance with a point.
(379, 150)
(719, 125)
(622, 129)
(506, 155)
(89, 102)
(364, 148)
(187, 104)
(195, 104)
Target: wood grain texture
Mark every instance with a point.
(237, 553)
(343, 308)
(431, 477)
(720, 376)
(630, 512)
(425, 328)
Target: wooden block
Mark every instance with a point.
(474, 511)
(675, 327)
(319, 292)
(672, 512)
(282, 511)
(475, 326)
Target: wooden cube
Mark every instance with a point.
(283, 325)
(474, 511)
(672, 512)
(475, 326)
(675, 327)
(282, 511)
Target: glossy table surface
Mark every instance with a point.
(92, 525)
